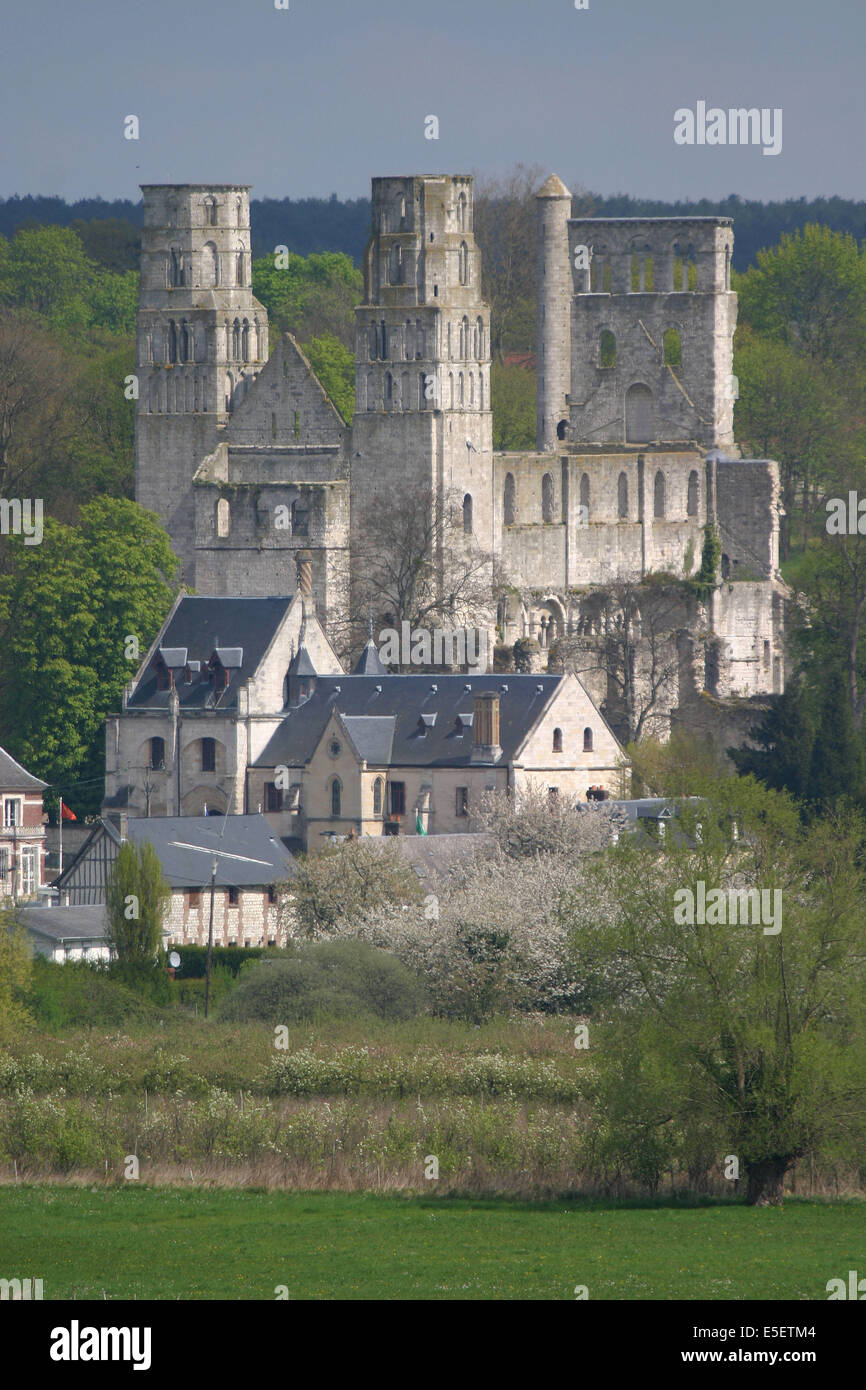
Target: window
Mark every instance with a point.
(622, 495)
(587, 740)
(463, 263)
(557, 740)
(12, 811)
(336, 797)
(508, 501)
(272, 896)
(638, 414)
(234, 899)
(462, 808)
(378, 788)
(398, 798)
(193, 898)
(240, 264)
(273, 797)
(673, 348)
(172, 341)
(659, 495)
(584, 497)
(547, 503)
(467, 515)
(224, 517)
(157, 754)
(561, 429)
(29, 866)
(692, 503)
(208, 755)
(300, 519)
(607, 349)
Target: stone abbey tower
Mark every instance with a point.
(250, 466)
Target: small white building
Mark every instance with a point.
(67, 933)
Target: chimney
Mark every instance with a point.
(305, 574)
(486, 747)
(120, 821)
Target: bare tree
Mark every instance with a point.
(631, 639)
(35, 418)
(417, 565)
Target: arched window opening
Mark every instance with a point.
(157, 754)
(336, 797)
(460, 400)
(184, 342)
(176, 272)
(692, 502)
(584, 497)
(557, 740)
(587, 740)
(673, 348)
(463, 263)
(378, 790)
(659, 496)
(508, 501)
(461, 211)
(395, 265)
(561, 429)
(208, 755)
(209, 266)
(229, 390)
(240, 268)
(622, 495)
(607, 349)
(547, 503)
(389, 389)
(236, 339)
(638, 414)
(223, 517)
(172, 341)
(245, 340)
(467, 514)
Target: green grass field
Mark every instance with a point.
(170, 1243)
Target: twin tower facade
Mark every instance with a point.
(245, 458)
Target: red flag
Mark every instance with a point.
(66, 813)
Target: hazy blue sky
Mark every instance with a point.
(319, 98)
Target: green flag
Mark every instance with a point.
(419, 829)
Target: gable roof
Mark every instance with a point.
(402, 700)
(372, 735)
(247, 852)
(15, 778)
(239, 630)
(62, 924)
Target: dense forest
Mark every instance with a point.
(110, 229)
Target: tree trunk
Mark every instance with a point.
(765, 1182)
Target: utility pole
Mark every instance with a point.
(209, 942)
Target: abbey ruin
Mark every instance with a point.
(600, 532)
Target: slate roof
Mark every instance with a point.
(186, 846)
(15, 778)
(301, 663)
(403, 699)
(369, 663)
(241, 629)
(372, 735)
(66, 923)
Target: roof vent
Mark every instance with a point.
(378, 690)
(467, 687)
(504, 689)
(434, 687)
(539, 688)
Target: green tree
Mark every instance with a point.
(47, 272)
(16, 967)
(513, 400)
(137, 897)
(752, 1035)
(311, 296)
(334, 365)
(77, 614)
(780, 747)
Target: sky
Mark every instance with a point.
(321, 96)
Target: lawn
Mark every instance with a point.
(194, 1243)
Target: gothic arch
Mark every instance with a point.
(638, 414)
(508, 501)
(209, 266)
